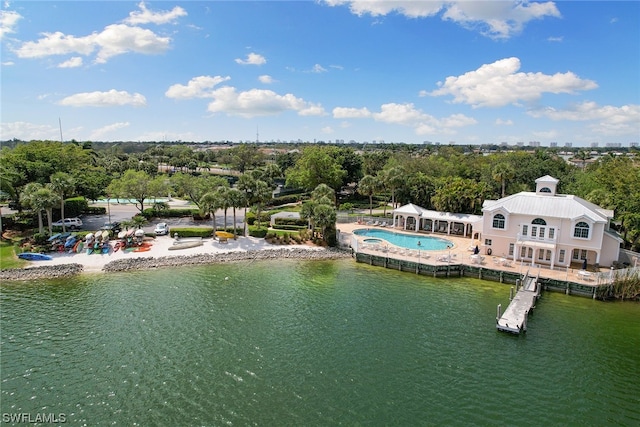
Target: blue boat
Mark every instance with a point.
(34, 256)
(54, 237)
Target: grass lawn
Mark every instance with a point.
(8, 258)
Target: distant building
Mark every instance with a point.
(613, 145)
(594, 145)
(553, 144)
(634, 144)
(568, 144)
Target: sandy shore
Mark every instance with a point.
(65, 264)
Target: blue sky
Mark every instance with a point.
(468, 72)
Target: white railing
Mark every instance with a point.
(607, 277)
(528, 238)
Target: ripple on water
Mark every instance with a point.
(309, 343)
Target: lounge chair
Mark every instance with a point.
(384, 224)
(376, 223)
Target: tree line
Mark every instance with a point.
(40, 174)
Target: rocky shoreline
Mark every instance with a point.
(128, 264)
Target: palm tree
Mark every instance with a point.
(324, 217)
(209, 203)
(246, 184)
(367, 186)
(226, 203)
(503, 172)
(323, 190)
(261, 194)
(308, 211)
(63, 184)
(236, 199)
(28, 198)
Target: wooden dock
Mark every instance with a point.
(514, 319)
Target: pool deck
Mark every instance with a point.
(461, 253)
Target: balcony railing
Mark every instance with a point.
(546, 239)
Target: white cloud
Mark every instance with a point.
(350, 113)
(258, 102)
(409, 8)
(499, 84)
(145, 16)
(198, 87)
(118, 39)
(407, 115)
(74, 62)
(495, 19)
(115, 39)
(104, 99)
(327, 130)
(100, 133)
(608, 120)
(252, 59)
(8, 20)
(29, 131)
(266, 79)
(501, 122)
(317, 68)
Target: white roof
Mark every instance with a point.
(448, 216)
(409, 209)
(286, 214)
(550, 206)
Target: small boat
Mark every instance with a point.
(106, 248)
(75, 246)
(224, 234)
(54, 237)
(71, 241)
(105, 235)
(130, 232)
(116, 247)
(89, 237)
(122, 234)
(181, 240)
(34, 256)
(79, 247)
(185, 245)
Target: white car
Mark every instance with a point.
(70, 223)
(161, 229)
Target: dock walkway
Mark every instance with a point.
(514, 319)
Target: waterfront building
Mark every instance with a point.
(541, 227)
(550, 229)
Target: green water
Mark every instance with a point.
(311, 344)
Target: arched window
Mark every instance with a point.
(581, 230)
(539, 221)
(498, 221)
(545, 190)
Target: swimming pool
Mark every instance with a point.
(409, 241)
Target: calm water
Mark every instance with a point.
(409, 241)
(311, 344)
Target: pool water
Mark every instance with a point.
(409, 241)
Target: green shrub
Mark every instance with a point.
(259, 232)
(192, 231)
(290, 227)
(279, 201)
(92, 210)
(75, 207)
(265, 217)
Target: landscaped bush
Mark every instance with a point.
(91, 210)
(290, 227)
(259, 232)
(291, 198)
(192, 231)
(74, 207)
(251, 217)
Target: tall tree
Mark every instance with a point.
(134, 185)
(315, 167)
(367, 187)
(236, 200)
(209, 203)
(64, 185)
(503, 172)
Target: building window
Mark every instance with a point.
(548, 258)
(487, 242)
(498, 221)
(534, 231)
(541, 254)
(579, 254)
(511, 247)
(545, 190)
(530, 253)
(561, 256)
(581, 230)
(539, 221)
(542, 232)
(552, 233)
(525, 230)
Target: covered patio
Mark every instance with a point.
(414, 218)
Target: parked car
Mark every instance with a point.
(70, 223)
(111, 227)
(161, 229)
